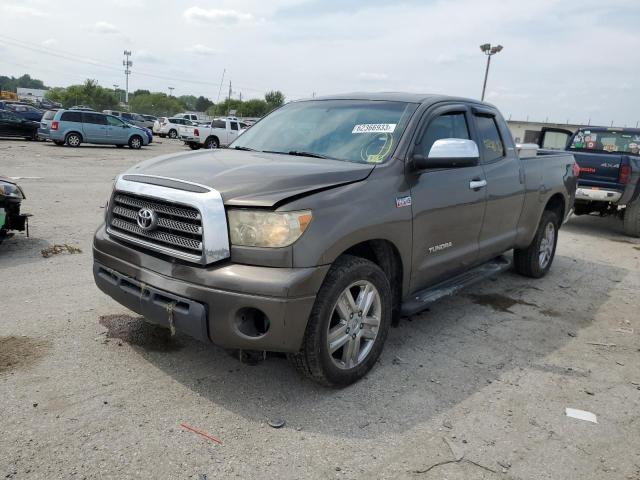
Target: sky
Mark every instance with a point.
(563, 60)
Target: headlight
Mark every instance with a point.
(256, 228)
(10, 190)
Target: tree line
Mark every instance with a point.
(158, 103)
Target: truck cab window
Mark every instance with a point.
(491, 145)
(449, 125)
(234, 125)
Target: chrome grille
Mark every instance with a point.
(178, 231)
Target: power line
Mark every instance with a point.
(96, 63)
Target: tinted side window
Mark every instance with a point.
(126, 116)
(71, 117)
(449, 125)
(234, 125)
(94, 118)
(491, 144)
(219, 124)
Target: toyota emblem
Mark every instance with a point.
(147, 219)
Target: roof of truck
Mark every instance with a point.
(397, 97)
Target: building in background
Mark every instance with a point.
(33, 94)
(529, 132)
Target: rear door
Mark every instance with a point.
(505, 183)
(95, 127)
(447, 210)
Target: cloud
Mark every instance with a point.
(105, 27)
(49, 42)
(213, 15)
(22, 11)
(199, 49)
(373, 76)
(145, 56)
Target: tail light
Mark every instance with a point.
(55, 125)
(196, 132)
(625, 174)
(576, 170)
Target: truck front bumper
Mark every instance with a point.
(231, 305)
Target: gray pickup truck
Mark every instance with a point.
(325, 220)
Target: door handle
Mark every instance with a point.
(477, 184)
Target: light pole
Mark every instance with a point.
(115, 90)
(127, 63)
(489, 51)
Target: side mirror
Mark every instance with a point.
(449, 153)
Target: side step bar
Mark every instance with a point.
(421, 300)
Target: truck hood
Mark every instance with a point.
(254, 178)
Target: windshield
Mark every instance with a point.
(608, 141)
(362, 131)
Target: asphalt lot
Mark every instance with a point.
(476, 387)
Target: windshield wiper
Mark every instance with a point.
(246, 149)
(298, 153)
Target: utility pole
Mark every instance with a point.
(171, 89)
(489, 51)
(229, 90)
(240, 96)
(221, 82)
(115, 90)
(127, 63)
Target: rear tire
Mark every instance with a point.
(535, 260)
(173, 134)
(135, 142)
(211, 142)
(353, 307)
(73, 139)
(631, 219)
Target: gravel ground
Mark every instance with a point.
(476, 387)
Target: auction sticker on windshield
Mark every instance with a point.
(374, 128)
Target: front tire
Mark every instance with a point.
(135, 142)
(535, 260)
(631, 219)
(73, 139)
(173, 134)
(348, 325)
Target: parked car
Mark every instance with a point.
(23, 110)
(327, 218)
(150, 118)
(131, 118)
(220, 132)
(73, 127)
(12, 125)
(11, 196)
(169, 127)
(45, 124)
(609, 181)
(84, 108)
(48, 105)
(194, 117)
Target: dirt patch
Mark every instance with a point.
(20, 352)
(550, 312)
(136, 331)
(499, 302)
(56, 249)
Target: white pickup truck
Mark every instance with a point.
(220, 132)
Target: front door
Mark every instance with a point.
(117, 131)
(448, 209)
